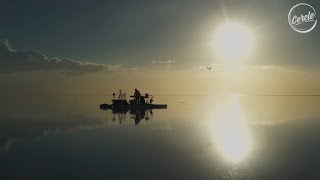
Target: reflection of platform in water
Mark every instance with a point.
(138, 114)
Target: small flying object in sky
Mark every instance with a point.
(209, 68)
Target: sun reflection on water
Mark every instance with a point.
(231, 133)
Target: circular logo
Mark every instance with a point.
(302, 18)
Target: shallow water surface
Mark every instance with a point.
(197, 137)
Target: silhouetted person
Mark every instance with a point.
(141, 100)
(135, 92)
(120, 94)
(137, 95)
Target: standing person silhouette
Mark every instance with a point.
(137, 95)
(151, 99)
(120, 94)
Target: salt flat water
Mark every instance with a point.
(197, 137)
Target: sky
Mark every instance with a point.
(161, 46)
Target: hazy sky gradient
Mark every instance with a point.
(136, 33)
(143, 35)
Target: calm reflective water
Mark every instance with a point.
(197, 137)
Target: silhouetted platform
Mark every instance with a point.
(134, 106)
(138, 101)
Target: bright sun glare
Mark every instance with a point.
(233, 41)
(231, 133)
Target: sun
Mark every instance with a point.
(233, 41)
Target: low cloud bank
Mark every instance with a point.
(12, 61)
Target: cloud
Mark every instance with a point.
(271, 68)
(218, 67)
(164, 64)
(12, 61)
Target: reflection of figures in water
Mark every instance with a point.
(121, 117)
(138, 114)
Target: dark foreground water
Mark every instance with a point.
(197, 137)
